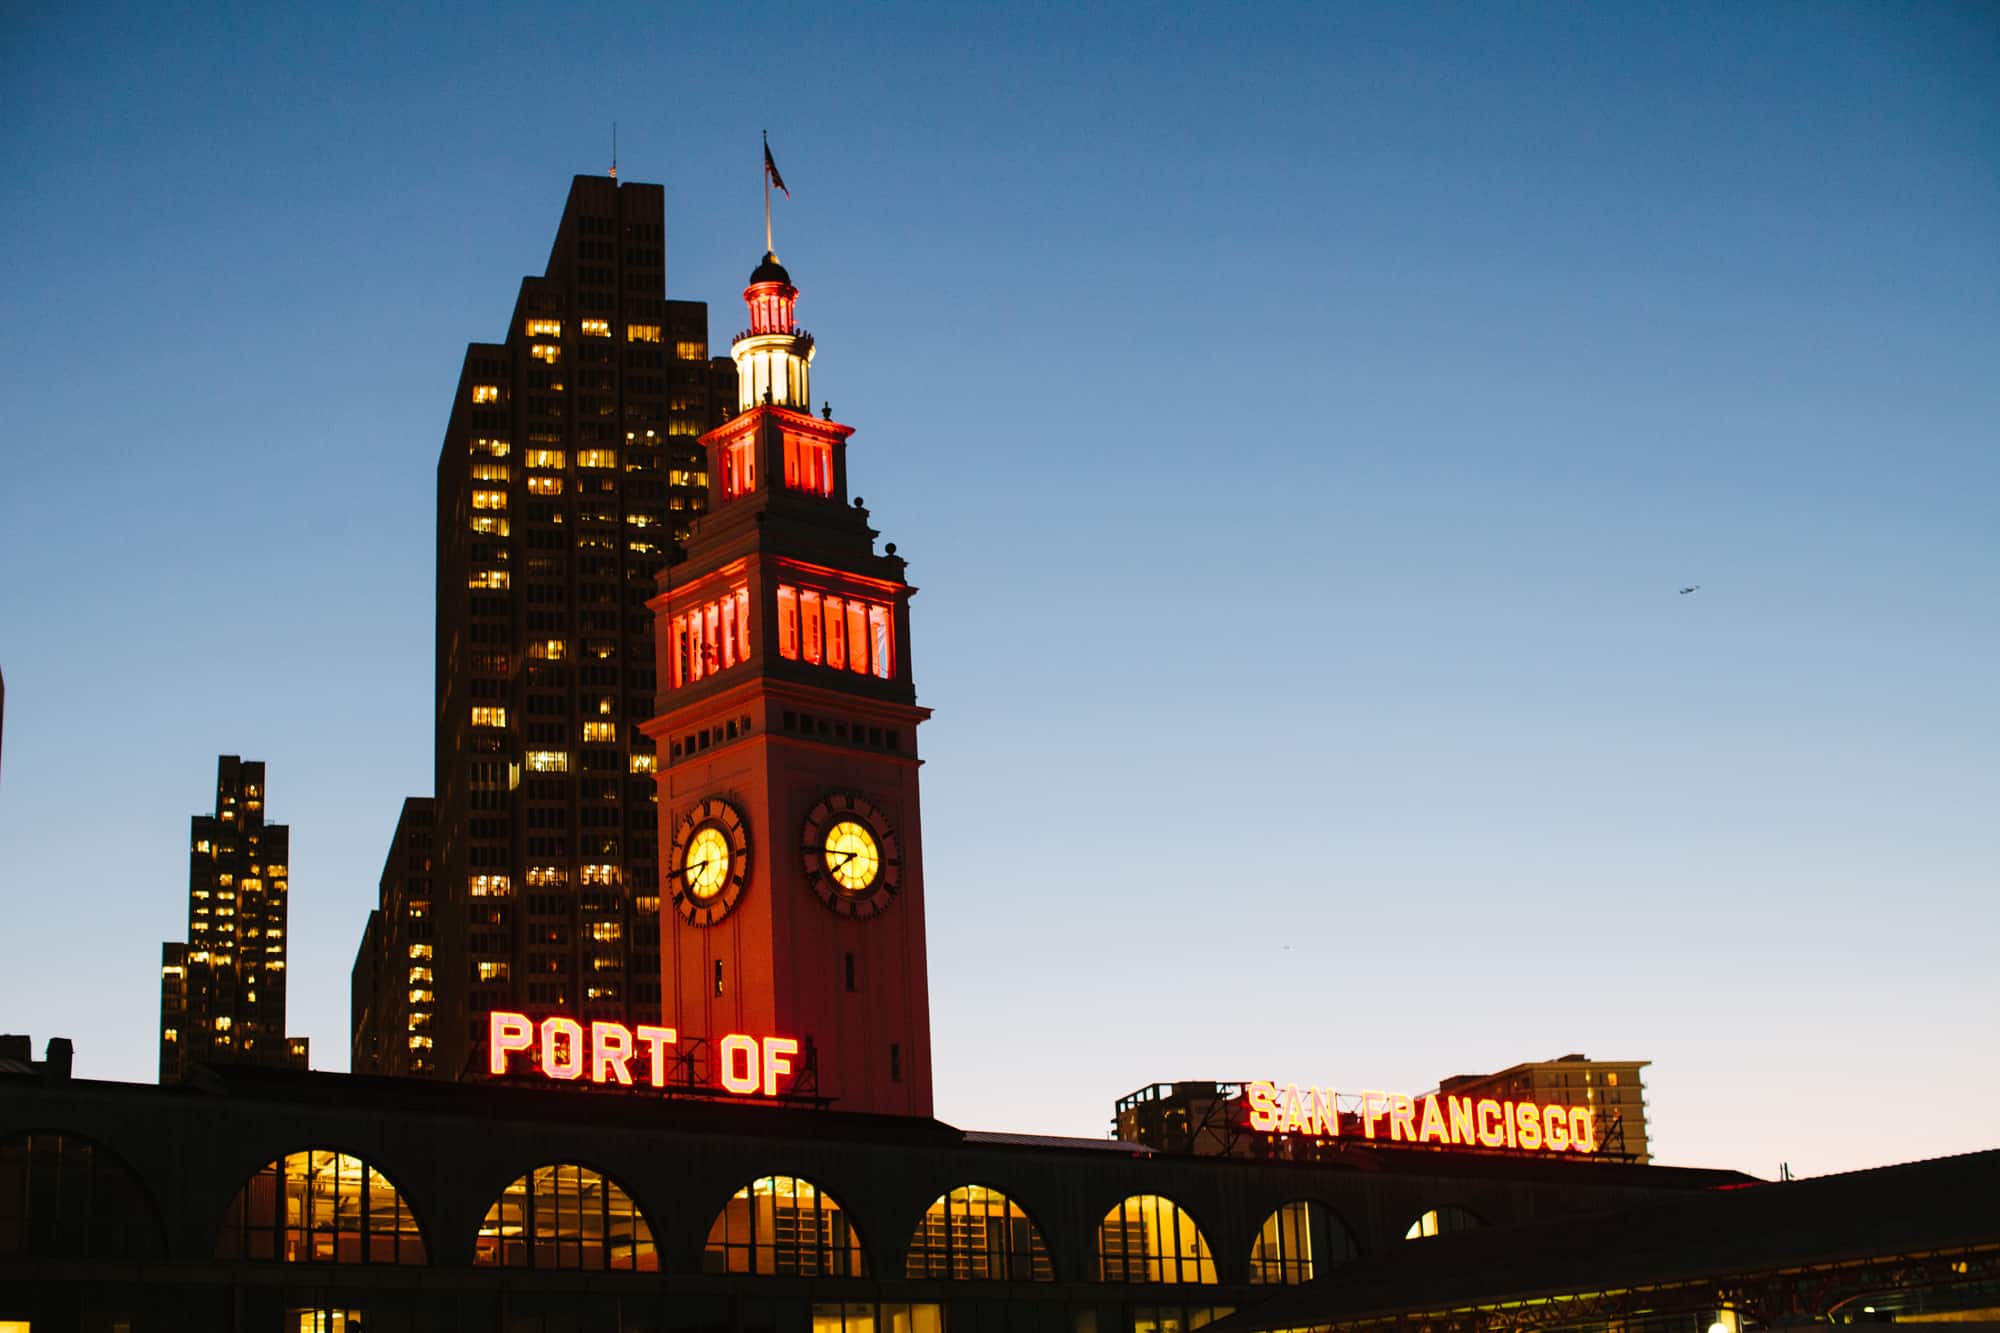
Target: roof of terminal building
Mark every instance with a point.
(1944, 1203)
(698, 1113)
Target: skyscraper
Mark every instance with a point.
(569, 463)
(787, 735)
(222, 992)
(394, 1000)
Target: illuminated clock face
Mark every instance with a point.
(707, 866)
(708, 863)
(852, 857)
(852, 860)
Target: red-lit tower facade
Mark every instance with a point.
(792, 895)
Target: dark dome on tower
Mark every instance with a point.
(771, 271)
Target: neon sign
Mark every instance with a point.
(1445, 1121)
(569, 1050)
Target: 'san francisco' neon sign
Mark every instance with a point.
(570, 1050)
(1449, 1122)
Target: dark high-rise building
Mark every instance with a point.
(394, 1000)
(570, 462)
(222, 992)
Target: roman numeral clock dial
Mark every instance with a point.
(852, 860)
(710, 862)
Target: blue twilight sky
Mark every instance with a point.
(1299, 421)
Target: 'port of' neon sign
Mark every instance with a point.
(569, 1050)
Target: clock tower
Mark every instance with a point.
(792, 893)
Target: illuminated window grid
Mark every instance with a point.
(841, 632)
(708, 638)
(320, 1207)
(566, 1216)
(1293, 1238)
(978, 1234)
(1148, 1238)
(781, 1225)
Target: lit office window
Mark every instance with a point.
(485, 393)
(566, 1216)
(544, 328)
(783, 1225)
(600, 731)
(607, 458)
(642, 333)
(545, 458)
(546, 352)
(488, 715)
(320, 1207)
(978, 1234)
(1147, 1238)
(595, 328)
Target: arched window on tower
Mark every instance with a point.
(782, 1225)
(566, 1216)
(63, 1196)
(1298, 1241)
(979, 1234)
(320, 1206)
(1149, 1238)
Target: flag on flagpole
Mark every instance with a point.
(771, 171)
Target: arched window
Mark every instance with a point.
(981, 1234)
(783, 1225)
(320, 1207)
(566, 1216)
(1298, 1241)
(64, 1197)
(1148, 1238)
(1443, 1221)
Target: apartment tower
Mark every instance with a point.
(222, 992)
(394, 1000)
(569, 465)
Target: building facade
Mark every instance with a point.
(569, 463)
(328, 1203)
(1611, 1088)
(222, 990)
(787, 749)
(394, 1001)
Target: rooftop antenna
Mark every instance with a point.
(614, 150)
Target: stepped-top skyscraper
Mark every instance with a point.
(569, 464)
(222, 992)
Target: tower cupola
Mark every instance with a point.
(774, 355)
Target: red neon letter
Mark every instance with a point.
(1433, 1130)
(1582, 1129)
(1369, 1115)
(739, 1050)
(777, 1060)
(1461, 1120)
(571, 1065)
(1298, 1110)
(610, 1052)
(1263, 1107)
(1326, 1110)
(1402, 1119)
(1530, 1116)
(1490, 1115)
(506, 1032)
(1555, 1127)
(657, 1040)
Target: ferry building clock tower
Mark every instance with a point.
(792, 895)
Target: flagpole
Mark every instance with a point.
(765, 168)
